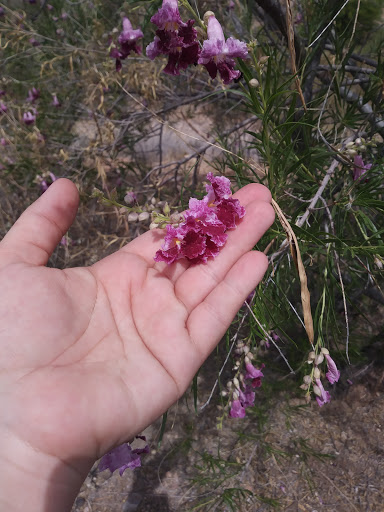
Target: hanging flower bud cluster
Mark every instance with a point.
(314, 379)
(240, 390)
(177, 40)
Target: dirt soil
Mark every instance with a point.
(297, 457)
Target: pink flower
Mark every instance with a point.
(333, 373)
(3, 108)
(55, 102)
(29, 118)
(127, 41)
(174, 38)
(255, 374)
(33, 95)
(130, 197)
(360, 168)
(218, 54)
(323, 397)
(122, 457)
(237, 410)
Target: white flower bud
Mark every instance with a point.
(206, 17)
(236, 383)
(307, 379)
(133, 216)
(247, 360)
(143, 216)
(349, 144)
(250, 356)
(224, 393)
(254, 83)
(175, 217)
(235, 395)
(358, 141)
(316, 390)
(153, 200)
(319, 359)
(229, 384)
(316, 373)
(246, 349)
(263, 59)
(351, 152)
(311, 355)
(153, 225)
(324, 351)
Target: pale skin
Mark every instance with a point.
(91, 356)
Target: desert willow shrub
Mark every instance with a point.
(316, 87)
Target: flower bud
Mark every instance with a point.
(317, 390)
(235, 395)
(316, 373)
(319, 359)
(229, 384)
(250, 356)
(166, 209)
(133, 216)
(311, 357)
(236, 382)
(349, 144)
(246, 349)
(224, 393)
(358, 141)
(247, 360)
(122, 210)
(324, 351)
(153, 225)
(263, 59)
(206, 17)
(153, 201)
(351, 152)
(307, 379)
(254, 83)
(143, 216)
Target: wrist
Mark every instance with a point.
(35, 481)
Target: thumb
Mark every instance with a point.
(40, 228)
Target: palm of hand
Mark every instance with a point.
(91, 356)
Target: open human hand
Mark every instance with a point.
(90, 356)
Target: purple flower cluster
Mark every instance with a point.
(333, 375)
(127, 42)
(246, 397)
(123, 457)
(203, 232)
(178, 41)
